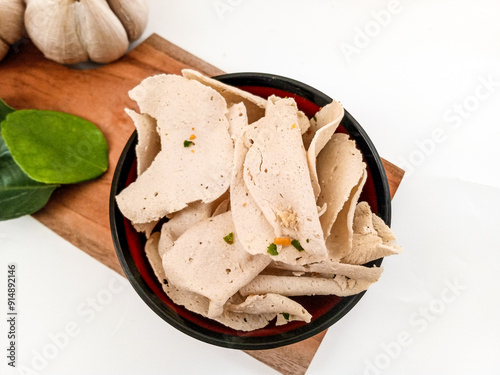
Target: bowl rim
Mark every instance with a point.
(321, 323)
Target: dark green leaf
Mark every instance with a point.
(19, 195)
(5, 109)
(55, 147)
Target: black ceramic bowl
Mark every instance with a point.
(325, 310)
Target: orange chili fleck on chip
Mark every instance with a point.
(283, 241)
(192, 137)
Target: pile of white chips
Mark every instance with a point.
(262, 202)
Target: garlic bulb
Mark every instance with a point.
(73, 31)
(11, 24)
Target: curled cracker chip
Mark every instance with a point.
(305, 286)
(187, 217)
(254, 231)
(339, 242)
(198, 303)
(201, 261)
(238, 119)
(271, 303)
(329, 269)
(340, 167)
(255, 105)
(367, 244)
(277, 176)
(325, 122)
(184, 171)
(148, 139)
(146, 228)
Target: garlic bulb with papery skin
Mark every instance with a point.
(73, 31)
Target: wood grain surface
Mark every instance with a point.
(79, 213)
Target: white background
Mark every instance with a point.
(423, 79)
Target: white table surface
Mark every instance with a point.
(423, 79)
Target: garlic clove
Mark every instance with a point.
(52, 26)
(100, 31)
(133, 14)
(11, 24)
(11, 20)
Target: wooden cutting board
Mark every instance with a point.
(79, 213)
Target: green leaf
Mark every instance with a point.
(55, 147)
(19, 195)
(5, 109)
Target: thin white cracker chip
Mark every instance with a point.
(326, 122)
(244, 321)
(146, 228)
(197, 151)
(304, 286)
(326, 115)
(238, 119)
(340, 166)
(254, 231)
(187, 217)
(166, 241)
(201, 261)
(148, 139)
(181, 221)
(272, 303)
(222, 207)
(339, 242)
(302, 121)
(151, 250)
(255, 105)
(383, 229)
(328, 268)
(367, 244)
(276, 173)
(198, 303)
